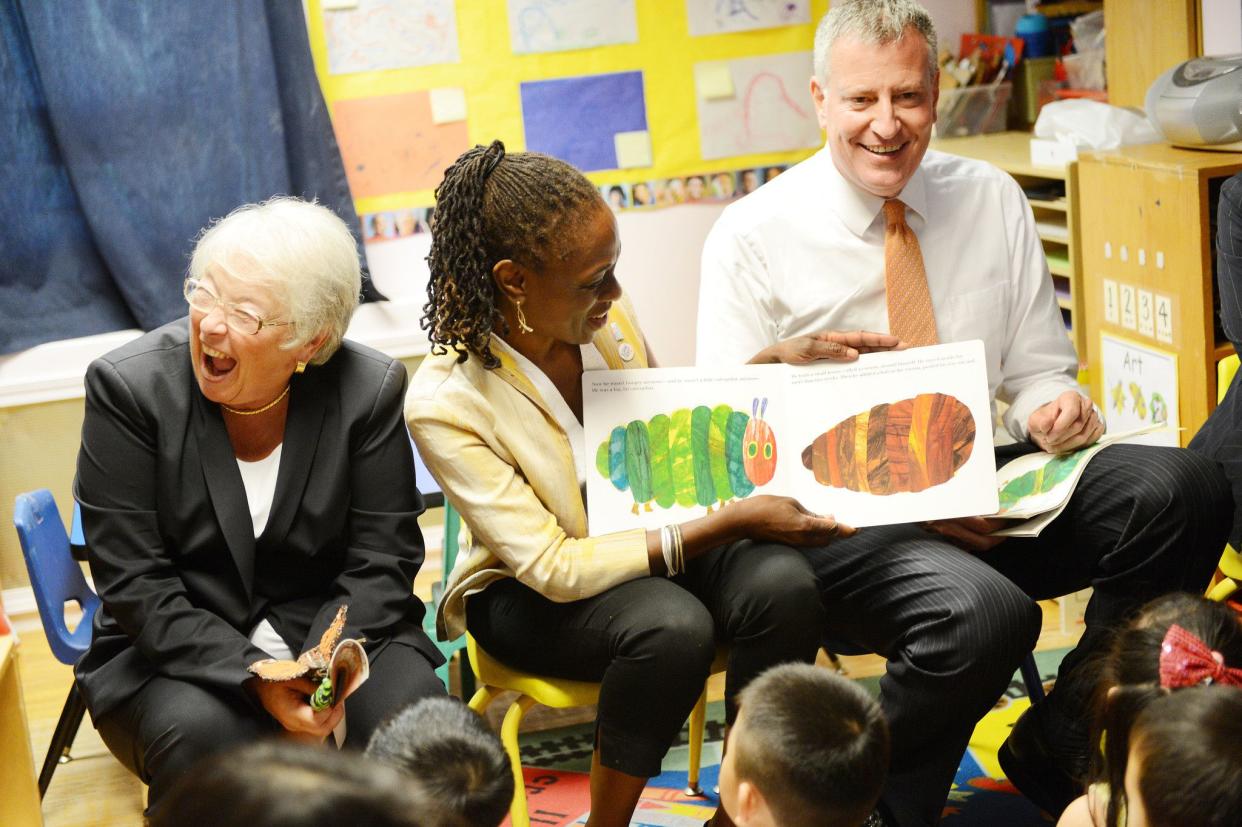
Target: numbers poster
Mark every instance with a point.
(900, 436)
(1140, 388)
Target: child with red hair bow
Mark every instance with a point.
(1176, 642)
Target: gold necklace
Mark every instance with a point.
(268, 406)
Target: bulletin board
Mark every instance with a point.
(624, 93)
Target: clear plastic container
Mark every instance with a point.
(972, 110)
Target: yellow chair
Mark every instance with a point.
(495, 678)
(1225, 369)
(1230, 564)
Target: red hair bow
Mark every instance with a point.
(1185, 660)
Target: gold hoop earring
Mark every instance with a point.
(299, 367)
(521, 320)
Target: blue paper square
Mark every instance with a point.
(575, 119)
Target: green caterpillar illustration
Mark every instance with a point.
(700, 456)
(1038, 480)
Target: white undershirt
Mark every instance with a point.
(591, 360)
(259, 479)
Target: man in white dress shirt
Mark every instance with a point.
(952, 608)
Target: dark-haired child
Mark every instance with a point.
(1176, 642)
(808, 747)
(277, 782)
(1185, 764)
(455, 761)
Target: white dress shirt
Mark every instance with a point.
(805, 253)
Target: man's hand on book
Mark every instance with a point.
(832, 345)
(1067, 423)
(969, 533)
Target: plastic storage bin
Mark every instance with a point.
(972, 110)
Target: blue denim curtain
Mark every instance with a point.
(126, 127)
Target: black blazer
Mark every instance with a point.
(1221, 436)
(168, 529)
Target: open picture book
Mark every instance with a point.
(1035, 488)
(894, 437)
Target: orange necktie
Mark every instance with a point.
(910, 315)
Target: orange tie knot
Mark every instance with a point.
(894, 213)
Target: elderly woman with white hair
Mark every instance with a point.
(244, 472)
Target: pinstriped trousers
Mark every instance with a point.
(955, 625)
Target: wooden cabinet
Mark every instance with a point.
(1147, 216)
(1146, 38)
(19, 791)
(1053, 195)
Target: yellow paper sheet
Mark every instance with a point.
(448, 105)
(633, 149)
(714, 81)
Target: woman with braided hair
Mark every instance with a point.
(523, 298)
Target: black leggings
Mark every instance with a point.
(650, 642)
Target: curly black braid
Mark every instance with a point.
(526, 207)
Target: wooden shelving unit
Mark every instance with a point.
(19, 790)
(1147, 229)
(1056, 218)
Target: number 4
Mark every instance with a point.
(1164, 319)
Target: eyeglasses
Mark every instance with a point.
(237, 318)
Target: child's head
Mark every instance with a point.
(272, 783)
(455, 761)
(1185, 764)
(1176, 641)
(808, 747)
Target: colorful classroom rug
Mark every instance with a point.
(556, 763)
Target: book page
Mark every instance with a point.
(1042, 483)
(895, 437)
(349, 669)
(667, 445)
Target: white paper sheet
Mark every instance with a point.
(1140, 388)
(720, 16)
(559, 25)
(769, 110)
(390, 34)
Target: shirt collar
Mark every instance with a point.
(859, 209)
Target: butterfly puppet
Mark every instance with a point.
(339, 666)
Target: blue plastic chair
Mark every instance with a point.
(56, 578)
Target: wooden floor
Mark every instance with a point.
(94, 789)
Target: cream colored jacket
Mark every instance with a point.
(505, 464)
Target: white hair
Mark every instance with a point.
(873, 21)
(299, 249)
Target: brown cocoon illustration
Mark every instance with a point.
(909, 445)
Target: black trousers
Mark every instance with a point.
(650, 642)
(954, 626)
(170, 725)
